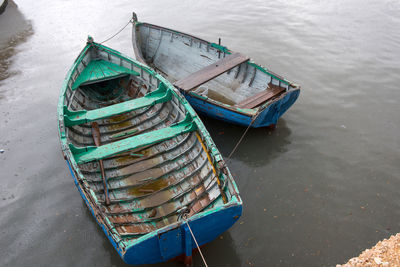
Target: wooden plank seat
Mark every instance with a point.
(90, 153)
(261, 97)
(211, 71)
(83, 116)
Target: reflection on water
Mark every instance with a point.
(14, 29)
(9, 50)
(258, 147)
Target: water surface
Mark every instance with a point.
(317, 190)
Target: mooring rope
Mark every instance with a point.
(184, 216)
(245, 132)
(131, 20)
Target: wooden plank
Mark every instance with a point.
(261, 97)
(211, 71)
(160, 95)
(90, 153)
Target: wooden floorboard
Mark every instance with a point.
(261, 97)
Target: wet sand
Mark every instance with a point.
(317, 190)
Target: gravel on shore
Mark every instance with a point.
(385, 253)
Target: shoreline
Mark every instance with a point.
(385, 253)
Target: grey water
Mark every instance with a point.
(317, 190)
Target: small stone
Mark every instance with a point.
(1, 151)
(377, 260)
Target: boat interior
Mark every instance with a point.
(206, 69)
(128, 127)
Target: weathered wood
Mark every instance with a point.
(97, 142)
(152, 166)
(261, 97)
(211, 71)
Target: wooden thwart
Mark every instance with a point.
(261, 97)
(211, 71)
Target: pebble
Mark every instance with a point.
(384, 253)
(1, 151)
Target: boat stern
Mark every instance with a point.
(176, 240)
(271, 113)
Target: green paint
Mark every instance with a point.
(123, 134)
(83, 116)
(71, 151)
(99, 70)
(136, 155)
(91, 153)
(262, 69)
(221, 48)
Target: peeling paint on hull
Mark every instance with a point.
(244, 94)
(142, 159)
(268, 116)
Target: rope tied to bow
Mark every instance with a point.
(118, 32)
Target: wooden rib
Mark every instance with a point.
(96, 138)
(170, 185)
(151, 170)
(121, 160)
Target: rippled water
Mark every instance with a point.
(317, 190)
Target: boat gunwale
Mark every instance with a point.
(223, 49)
(247, 112)
(84, 188)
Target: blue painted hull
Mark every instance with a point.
(268, 116)
(175, 240)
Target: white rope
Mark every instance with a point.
(131, 20)
(194, 238)
(241, 138)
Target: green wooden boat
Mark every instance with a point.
(142, 159)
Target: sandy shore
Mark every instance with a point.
(384, 253)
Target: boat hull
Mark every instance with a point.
(174, 241)
(267, 117)
(235, 95)
(141, 159)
